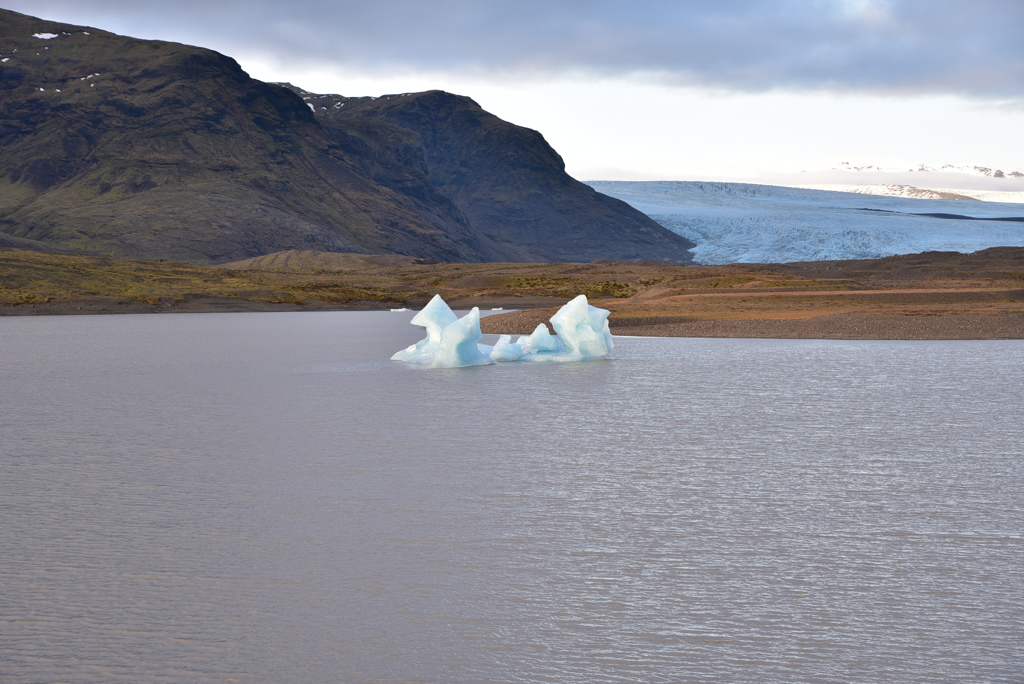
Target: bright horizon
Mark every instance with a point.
(625, 98)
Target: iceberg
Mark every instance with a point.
(459, 346)
(583, 330)
(507, 350)
(434, 317)
(453, 342)
(540, 340)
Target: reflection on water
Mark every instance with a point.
(267, 498)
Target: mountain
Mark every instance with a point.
(746, 223)
(150, 149)
(507, 180)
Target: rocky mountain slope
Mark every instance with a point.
(507, 180)
(151, 149)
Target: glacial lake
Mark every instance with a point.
(267, 498)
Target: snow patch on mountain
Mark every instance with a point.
(746, 223)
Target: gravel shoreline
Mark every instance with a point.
(1008, 326)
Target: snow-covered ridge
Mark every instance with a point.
(740, 222)
(890, 191)
(945, 168)
(995, 196)
(896, 190)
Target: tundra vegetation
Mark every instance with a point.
(644, 297)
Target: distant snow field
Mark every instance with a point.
(894, 190)
(745, 223)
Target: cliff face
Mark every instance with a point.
(509, 182)
(150, 149)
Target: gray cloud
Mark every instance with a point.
(903, 46)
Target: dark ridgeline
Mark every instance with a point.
(507, 180)
(151, 149)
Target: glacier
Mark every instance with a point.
(453, 342)
(748, 223)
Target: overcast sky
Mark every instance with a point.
(699, 89)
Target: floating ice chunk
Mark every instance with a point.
(583, 329)
(416, 353)
(459, 344)
(506, 350)
(451, 342)
(541, 340)
(434, 317)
